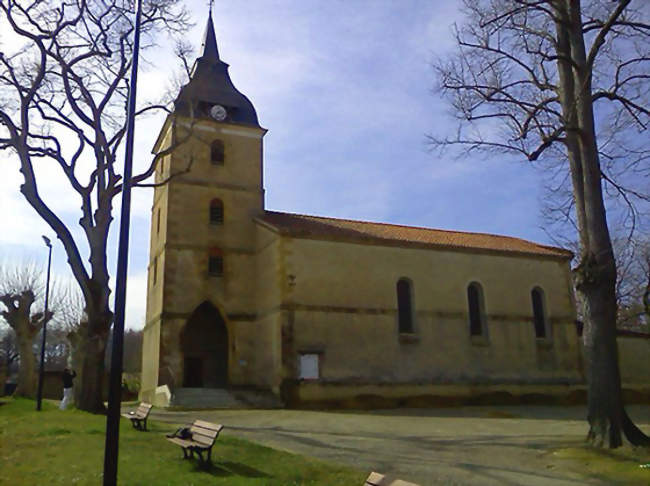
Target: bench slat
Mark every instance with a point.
(207, 425)
(206, 432)
(187, 443)
(203, 440)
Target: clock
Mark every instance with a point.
(218, 112)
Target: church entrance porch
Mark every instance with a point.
(204, 344)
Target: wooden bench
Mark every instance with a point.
(203, 435)
(376, 479)
(138, 418)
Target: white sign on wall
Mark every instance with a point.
(309, 367)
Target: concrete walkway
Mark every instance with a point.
(459, 446)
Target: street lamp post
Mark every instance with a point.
(41, 370)
(111, 447)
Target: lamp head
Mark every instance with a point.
(47, 241)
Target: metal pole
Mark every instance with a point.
(115, 387)
(41, 370)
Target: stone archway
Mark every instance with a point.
(204, 343)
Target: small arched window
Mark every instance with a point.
(217, 152)
(216, 211)
(476, 306)
(539, 316)
(215, 262)
(405, 306)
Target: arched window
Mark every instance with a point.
(217, 152)
(215, 262)
(404, 306)
(216, 211)
(476, 305)
(539, 316)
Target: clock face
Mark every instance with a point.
(218, 112)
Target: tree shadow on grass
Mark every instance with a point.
(212, 469)
(229, 468)
(244, 470)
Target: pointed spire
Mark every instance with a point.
(210, 84)
(209, 46)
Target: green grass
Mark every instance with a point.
(613, 466)
(55, 447)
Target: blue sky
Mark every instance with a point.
(345, 90)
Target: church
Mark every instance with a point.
(317, 310)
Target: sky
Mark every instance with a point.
(345, 89)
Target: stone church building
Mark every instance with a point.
(319, 310)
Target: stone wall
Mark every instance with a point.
(634, 359)
(344, 307)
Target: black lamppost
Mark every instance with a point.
(39, 394)
(111, 447)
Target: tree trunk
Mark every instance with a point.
(605, 405)
(76, 358)
(26, 386)
(91, 351)
(595, 276)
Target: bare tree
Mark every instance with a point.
(68, 316)
(632, 255)
(8, 353)
(632, 282)
(64, 93)
(21, 292)
(527, 80)
(132, 360)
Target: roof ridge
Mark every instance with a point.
(420, 227)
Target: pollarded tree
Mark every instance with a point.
(63, 93)
(565, 80)
(21, 293)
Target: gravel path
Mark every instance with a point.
(459, 446)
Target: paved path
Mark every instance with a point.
(460, 446)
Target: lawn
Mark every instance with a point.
(55, 447)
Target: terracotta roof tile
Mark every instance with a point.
(317, 227)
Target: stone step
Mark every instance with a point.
(204, 398)
(258, 398)
(216, 398)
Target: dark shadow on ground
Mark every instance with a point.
(211, 469)
(244, 470)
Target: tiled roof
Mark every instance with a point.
(316, 227)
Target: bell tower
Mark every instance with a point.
(202, 246)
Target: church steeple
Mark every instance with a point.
(209, 47)
(210, 85)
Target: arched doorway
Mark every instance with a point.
(204, 342)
